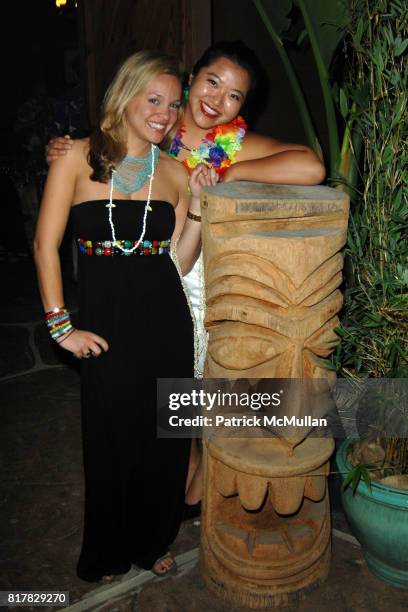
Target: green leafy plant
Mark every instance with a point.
(357, 473)
(375, 327)
(368, 158)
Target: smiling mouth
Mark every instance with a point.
(159, 127)
(208, 111)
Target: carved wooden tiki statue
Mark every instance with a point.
(272, 271)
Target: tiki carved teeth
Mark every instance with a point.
(225, 480)
(251, 490)
(315, 486)
(286, 494)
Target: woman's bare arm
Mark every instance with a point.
(267, 160)
(52, 221)
(53, 217)
(187, 234)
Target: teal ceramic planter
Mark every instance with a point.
(379, 521)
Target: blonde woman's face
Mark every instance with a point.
(152, 113)
(217, 93)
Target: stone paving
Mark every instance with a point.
(42, 489)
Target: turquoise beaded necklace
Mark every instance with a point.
(154, 160)
(132, 172)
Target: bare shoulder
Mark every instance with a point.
(171, 164)
(80, 149)
(174, 169)
(258, 145)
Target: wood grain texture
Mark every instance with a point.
(272, 275)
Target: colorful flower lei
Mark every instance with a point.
(217, 149)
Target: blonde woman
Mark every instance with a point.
(128, 202)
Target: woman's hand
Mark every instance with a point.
(57, 147)
(83, 343)
(202, 176)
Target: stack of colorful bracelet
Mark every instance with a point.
(58, 322)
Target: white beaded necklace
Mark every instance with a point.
(147, 206)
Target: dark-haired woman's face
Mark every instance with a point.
(217, 93)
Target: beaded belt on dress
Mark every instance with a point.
(109, 248)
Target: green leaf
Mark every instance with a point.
(343, 103)
(373, 320)
(363, 236)
(340, 331)
(387, 155)
(355, 475)
(399, 46)
(361, 95)
(377, 56)
(356, 478)
(366, 477)
(328, 365)
(359, 32)
(398, 111)
(349, 479)
(403, 274)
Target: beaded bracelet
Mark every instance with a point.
(193, 217)
(58, 322)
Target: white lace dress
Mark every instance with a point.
(194, 282)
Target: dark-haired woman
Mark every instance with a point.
(213, 132)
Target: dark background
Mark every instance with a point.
(40, 58)
(55, 63)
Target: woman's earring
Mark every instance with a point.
(186, 93)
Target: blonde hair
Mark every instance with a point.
(108, 141)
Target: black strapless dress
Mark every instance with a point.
(134, 482)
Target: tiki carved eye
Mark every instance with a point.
(255, 346)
